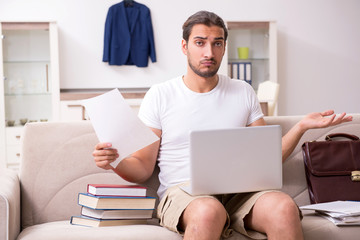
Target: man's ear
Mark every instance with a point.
(184, 46)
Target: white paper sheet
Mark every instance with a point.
(344, 207)
(114, 121)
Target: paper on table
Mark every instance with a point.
(114, 121)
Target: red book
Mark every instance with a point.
(116, 190)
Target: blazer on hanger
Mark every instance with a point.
(128, 38)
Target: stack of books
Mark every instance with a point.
(113, 205)
(341, 213)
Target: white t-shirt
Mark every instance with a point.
(176, 110)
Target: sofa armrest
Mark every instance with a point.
(9, 204)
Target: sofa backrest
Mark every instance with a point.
(57, 165)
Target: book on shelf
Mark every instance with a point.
(117, 213)
(115, 202)
(341, 213)
(247, 76)
(241, 71)
(116, 190)
(94, 222)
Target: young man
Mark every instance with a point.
(204, 99)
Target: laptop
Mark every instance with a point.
(236, 160)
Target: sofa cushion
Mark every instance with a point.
(60, 230)
(314, 228)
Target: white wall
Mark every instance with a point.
(318, 45)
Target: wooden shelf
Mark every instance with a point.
(247, 25)
(25, 25)
(84, 94)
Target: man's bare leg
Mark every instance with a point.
(277, 215)
(204, 218)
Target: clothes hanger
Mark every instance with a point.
(129, 3)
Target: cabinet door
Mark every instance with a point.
(72, 111)
(13, 155)
(13, 135)
(134, 103)
(261, 40)
(29, 75)
(27, 67)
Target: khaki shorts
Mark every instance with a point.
(175, 200)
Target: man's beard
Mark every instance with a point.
(205, 74)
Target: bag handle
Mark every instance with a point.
(345, 135)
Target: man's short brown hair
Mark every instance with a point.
(206, 18)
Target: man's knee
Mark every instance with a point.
(288, 206)
(204, 211)
(284, 209)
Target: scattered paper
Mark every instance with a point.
(343, 207)
(114, 121)
(339, 222)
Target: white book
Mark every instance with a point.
(235, 71)
(248, 72)
(242, 71)
(117, 190)
(117, 214)
(93, 222)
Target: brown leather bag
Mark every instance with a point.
(333, 168)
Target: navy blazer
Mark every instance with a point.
(128, 38)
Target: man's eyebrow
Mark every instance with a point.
(198, 37)
(204, 38)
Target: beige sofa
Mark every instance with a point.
(57, 165)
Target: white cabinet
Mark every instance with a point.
(260, 37)
(29, 89)
(13, 135)
(134, 103)
(71, 108)
(75, 111)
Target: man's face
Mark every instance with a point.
(205, 49)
